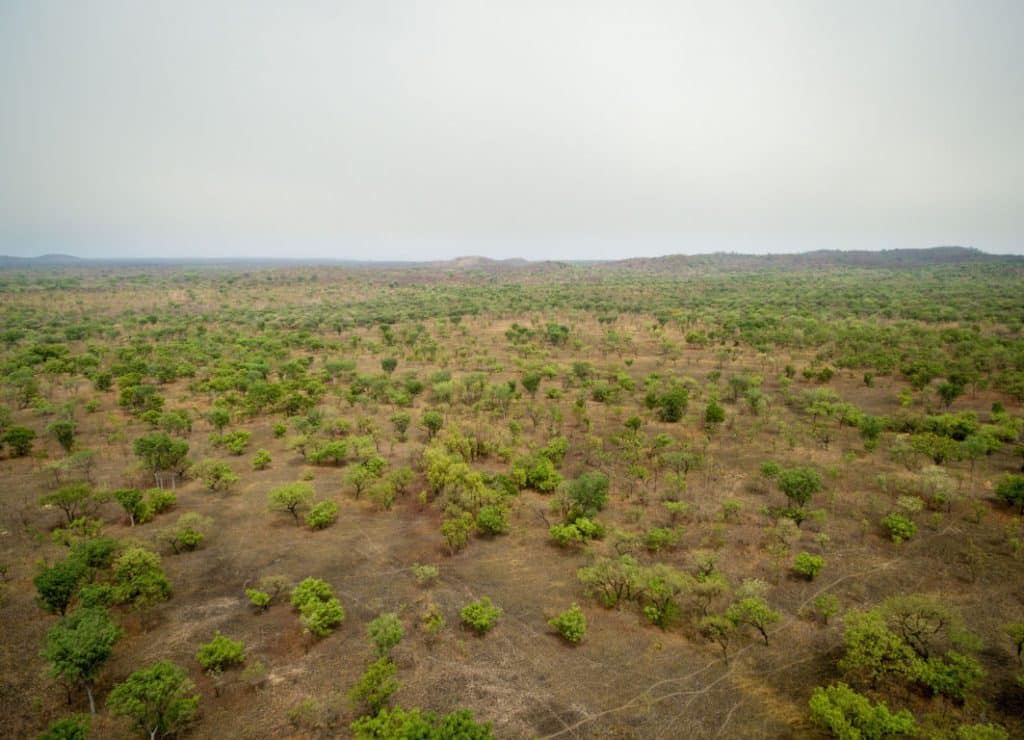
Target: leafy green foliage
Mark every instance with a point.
(851, 716)
(385, 633)
(808, 566)
(399, 724)
(480, 616)
(220, 653)
(322, 515)
(571, 624)
(79, 645)
(159, 699)
(375, 686)
(139, 579)
(293, 498)
(319, 610)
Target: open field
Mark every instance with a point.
(896, 387)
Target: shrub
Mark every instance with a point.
(160, 500)
(480, 616)
(219, 653)
(425, 575)
(492, 520)
(808, 566)
(292, 498)
(323, 515)
(319, 610)
(261, 460)
(215, 475)
(385, 633)
(1010, 489)
(900, 527)
(375, 686)
(571, 624)
(848, 714)
(398, 723)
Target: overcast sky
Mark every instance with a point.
(414, 130)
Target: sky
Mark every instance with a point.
(535, 128)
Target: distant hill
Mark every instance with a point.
(892, 259)
(44, 259)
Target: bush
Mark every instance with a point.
(398, 723)
(75, 727)
(808, 566)
(375, 686)
(480, 616)
(160, 500)
(571, 624)
(900, 528)
(385, 633)
(425, 575)
(323, 515)
(215, 475)
(219, 653)
(492, 520)
(261, 460)
(319, 610)
(1010, 489)
(848, 714)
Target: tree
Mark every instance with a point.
(76, 500)
(375, 686)
(432, 421)
(808, 566)
(1016, 634)
(78, 647)
(714, 414)
(220, 653)
(162, 454)
(388, 365)
(57, 584)
(799, 484)
(63, 431)
(292, 498)
(588, 494)
(754, 612)
(160, 699)
(19, 439)
(219, 418)
(385, 633)
(400, 421)
(1010, 489)
(850, 716)
(139, 579)
(133, 502)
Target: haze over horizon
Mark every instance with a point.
(598, 130)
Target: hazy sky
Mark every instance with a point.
(412, 130)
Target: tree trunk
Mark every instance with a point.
(92, 701)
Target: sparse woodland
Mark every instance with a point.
(709, 498)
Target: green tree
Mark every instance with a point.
(375, 686)
(385, 633)
(293, 498)
(63, 431)
(588, 494)
(78, 647)
(1010, 489)
(139, 578)
(851, 716)
(220, 653)
(161, 699)
(401, 421)
(388, 365)
(432, 421)
(134, 503)
(19, 439)
(76, 500)
(162, 454)
(57, 584)
(799, 484)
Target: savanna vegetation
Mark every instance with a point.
(713, 497)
